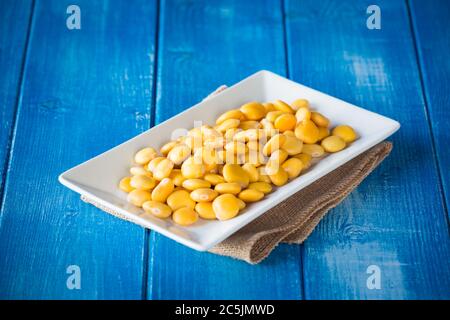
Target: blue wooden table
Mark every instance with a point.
(69, 94)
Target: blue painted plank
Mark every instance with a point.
(204, 44)
(15, 19)
(432, 28)
(85, 91)
(395, 219)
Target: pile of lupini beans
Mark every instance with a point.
(212, 172)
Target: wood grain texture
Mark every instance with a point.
(204, 44)
(15, 18)
(85, 91)
(430, 20)
(395, 219)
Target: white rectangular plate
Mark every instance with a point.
(98, 178)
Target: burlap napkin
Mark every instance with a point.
(293, 220)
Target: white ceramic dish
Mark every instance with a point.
(97, 178)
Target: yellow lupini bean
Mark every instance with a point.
(300, 103)
(251, 171)
(191, 169)
(323, 133)
(204, 195)
(142, 182)
(273, 144)
(292, 145)
(249, 124)
(230, 134)
(214, 143)
(234, 173)
(214, 171)
(319, 119)
(139, 170)
(333, 144)
(180, 139)
(163, 169)
(213, 178)
(269, 106)
(314, 150)
(263, 176)
(267, 125)
(163, 190)
(275, 161)
(293, 167)
(262, 160)
(179, 153)
(241, 204)
(125, 185)
(345, 132)
(179, 199)
(185, 216)
(269, 133)
(273, 115)
(205, 210)
(241, 136)
(158, 209)
(137, 197)
(289, 133)
(285, 122)
(236, 147)
(228, 187)
(279, 178)
(153, 163)
(307, 131)
(144, 156)
(209, 133)
(177, 177)
(231, 114)
(195, 132)
(165, 149)
(263, 187)
(207, 156)
(192, 184)
(226, 206)
(253, 110)
(305, 159)
(252, 157)
(250, 135)
(283, 106)
(303, 114)
(250, 195)
(228, 124)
